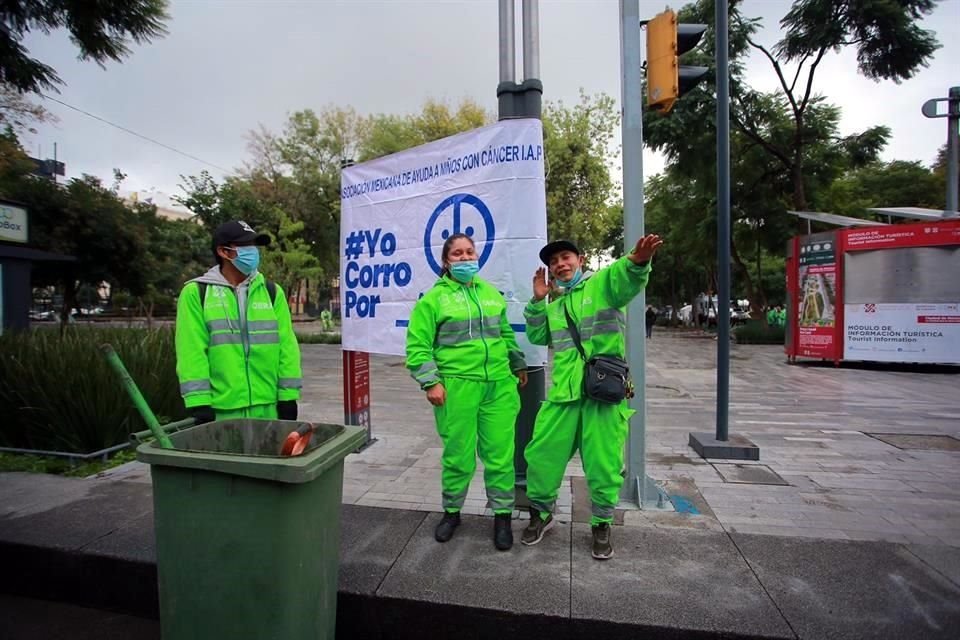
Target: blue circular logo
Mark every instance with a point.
(471, 220)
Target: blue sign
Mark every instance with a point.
(442, 226)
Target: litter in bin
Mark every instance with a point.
(297, 441)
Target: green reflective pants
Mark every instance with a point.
(478, 418)
(260, 411)
(599, 431)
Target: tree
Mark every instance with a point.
(577, 149)
(175, 251)
(288, 259)
(214, 204)
(100, 30)
(889, 44)
(384, 134)
(19, 113)
(940, 167)
(786, 149)
(893, 184)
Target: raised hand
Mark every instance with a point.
(540, 286)
(645, 248)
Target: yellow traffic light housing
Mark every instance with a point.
(667, 80)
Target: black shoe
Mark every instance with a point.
(502, 532)
(448, 524)
(602, 549)
(538, 526)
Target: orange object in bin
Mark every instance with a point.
(296, 443)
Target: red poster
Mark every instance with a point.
(356, 388)
(816, 299)
(921, 234)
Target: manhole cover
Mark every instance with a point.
(749, 474)
(918, 441)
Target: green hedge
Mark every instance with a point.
(754, 332)
(318, 338)
(59, 393)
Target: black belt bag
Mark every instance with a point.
(606, 378)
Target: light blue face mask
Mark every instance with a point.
(572, 282)
(247, 260)
(464, 271)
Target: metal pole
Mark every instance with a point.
(508, 42)
(531, 39)
(632, 130)
(953, 147)
(723, 218)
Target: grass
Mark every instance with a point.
(62, 466)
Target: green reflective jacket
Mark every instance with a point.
(461, 331)
(596, 306)
(232, 355)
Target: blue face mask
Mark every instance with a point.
(572, 282)
(464, 271)
(247, 260)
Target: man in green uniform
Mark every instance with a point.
(237, 355)
(568, 420)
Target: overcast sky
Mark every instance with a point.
(228, 65)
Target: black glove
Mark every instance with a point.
(287, 409)
(203, 414)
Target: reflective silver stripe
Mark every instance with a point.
(194, 385)
(221, 325)
(427, 367)
(492, 332)
(543, 507)
(224, 338)
(453, 500)
(448, 339)
(491, 321)
(604, 315)
(560, 334)
(535, 320)
(264, 338)
(262, 325)
(426, 379)
(610, 314)
(453, 326)
(517, 361)
(602, 328)
(500, 499)
(290, 383)
(563, 345)
(426, 373)
(602, 512)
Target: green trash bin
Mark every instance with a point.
(248, 542)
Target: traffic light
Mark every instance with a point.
(667, 79)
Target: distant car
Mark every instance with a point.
(739, 316)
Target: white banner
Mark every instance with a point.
(902, 332)
(397, 211)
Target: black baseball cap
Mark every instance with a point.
(238, 232)
(558, 245)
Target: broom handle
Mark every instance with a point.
(138, 400)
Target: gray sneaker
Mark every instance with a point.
(537, 527)
(602, 549)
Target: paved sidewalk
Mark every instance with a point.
(90, 542)
(820, 431)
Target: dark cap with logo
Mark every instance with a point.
(554, 247)
(238, 232)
